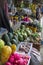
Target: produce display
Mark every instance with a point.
(18, 59)
(25, 32)
(22, 33)
(15, 47)
(8, 46)
(6, 51)
(10, 57)
(11, 53)
(10, 39)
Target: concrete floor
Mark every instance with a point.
(41, 51)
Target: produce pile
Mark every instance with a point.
(8, 45)
(10, 41)
(22, 34)
(5, 51)
(9, 56)
(18, 59)
(18, 36)
(25, 32)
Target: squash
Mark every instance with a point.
(6, 52)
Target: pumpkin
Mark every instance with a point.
(13, 47)
(6, 52)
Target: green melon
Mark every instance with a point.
(10, 35)
(6, 38)
(13, 41)
(8, 43)
(22, 27)
(25, 35)
(1, 44)
(20, 38)
(16, 38)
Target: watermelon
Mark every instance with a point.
(6, 38)
(8, 43)
(10, 35)
(16, 38)
(13, 41)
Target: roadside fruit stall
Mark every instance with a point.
(16, 47)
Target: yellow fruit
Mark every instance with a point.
(16, 17)
(13, 46)
(4, 59)
(22, 17)
(6, 52)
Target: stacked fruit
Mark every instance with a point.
(6, 51)
(19, 35)
(10, 39)
(22, 33)
(8, 56)
(18, 59)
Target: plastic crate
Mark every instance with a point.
(26, 55)
(30, 46)
(29, 61)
